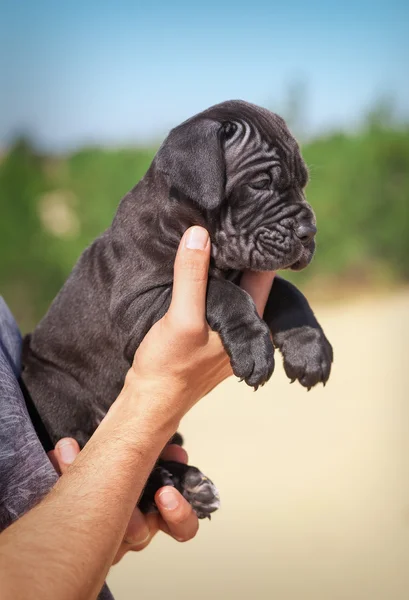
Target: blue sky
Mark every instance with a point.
(80, 72)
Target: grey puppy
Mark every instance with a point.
(236, 170)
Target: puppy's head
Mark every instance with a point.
(239, 164)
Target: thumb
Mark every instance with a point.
(66, 451)
(191, 271)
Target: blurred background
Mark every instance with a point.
(315, 488)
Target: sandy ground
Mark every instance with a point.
(314, 486)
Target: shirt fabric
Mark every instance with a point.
(26, 474)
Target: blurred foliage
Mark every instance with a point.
(52, 207)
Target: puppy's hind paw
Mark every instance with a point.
(307, 356)
(199, 491)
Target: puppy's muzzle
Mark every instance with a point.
(305, 231)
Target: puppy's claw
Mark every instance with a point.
(292, 380)
(308, 389)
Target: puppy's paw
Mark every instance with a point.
(307, 355)
(199, 491)
(252, 355)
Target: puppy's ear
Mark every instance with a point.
(193, 159)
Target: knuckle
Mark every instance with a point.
(194, 329)
(191, 328)
(179, 519)
(197, 269)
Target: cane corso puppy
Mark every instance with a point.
(236, 170)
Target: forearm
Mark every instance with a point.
(64, 547)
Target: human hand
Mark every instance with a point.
(181, 359)
(175, 518)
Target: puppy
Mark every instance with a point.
(236, 170)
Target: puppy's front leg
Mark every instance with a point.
(232, 313)
(297, 334)
(137, 311)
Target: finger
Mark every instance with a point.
(177, 514)
(191, 269)
(138, 533)
(152, 523)
(176, 453)
(258, 285)
(66, 451)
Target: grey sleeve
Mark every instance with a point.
(26, 474)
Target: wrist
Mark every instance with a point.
(150, 411)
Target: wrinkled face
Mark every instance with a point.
(251, 180)
(265, 222)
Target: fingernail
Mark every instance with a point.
(168, 500)
(197, 238)
(67, 451)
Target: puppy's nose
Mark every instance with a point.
(305, 231)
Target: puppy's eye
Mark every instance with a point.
(261, 184)
(229, 129)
